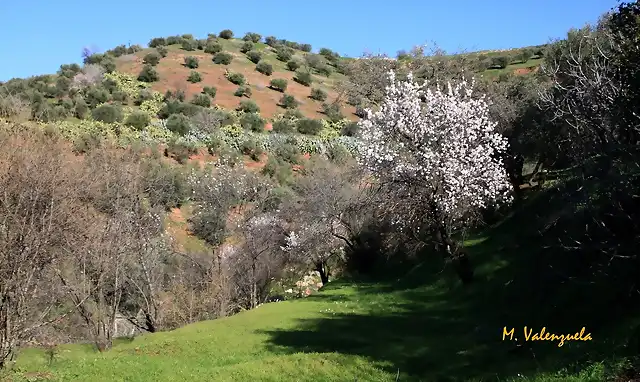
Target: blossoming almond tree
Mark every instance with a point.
(436, 152)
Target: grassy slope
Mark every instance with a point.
(423, 324)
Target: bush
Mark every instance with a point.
(222, 58)
(332, 111)
(309, 126)
(246, 46)
(264, 68)
(119, 96)
(194, 77)
(212, 47)
(318, 94)
(253, 37)
(303, 78)
(109, 64)
(152, 59)
(252, 121)
(173, 40)
(284, 126)
(181, 150)
(179, 124)
(201, 44)
(236, 78)
(337, 153)
(210, 91)
(157, 41)
(293, 114)
(254, 56)
(288, 102)
(201, 100)
(272, 41)
(191, 62)
(288, 152)
(148, 74)
(226, 34)
(138, 120)
(242, 91)
(80, 108)
(293, 65)
(279, 84)
(500, 62)
(165, 185)
(252, 148)
(189, 45)
(305, 47)
(324, 70)
(350, 129)
(524, 55)
(284, 53)
(187, 36)
(248, 106)
(162, 51)
(107, 113)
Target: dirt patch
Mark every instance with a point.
(255, 165)
(522, 71)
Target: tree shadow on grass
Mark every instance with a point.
(433, 330)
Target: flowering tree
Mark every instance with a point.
(437, 154)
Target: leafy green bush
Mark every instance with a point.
(191, 62)
(148, 74)
(272, 41)
(318, 94)
(210, 91)
(254, 56)
(152, 59)
(119, 96)
(157, 41)
(338, 153)
(180, 150)
(293, 65)
(288, 102)
(187, 36)
(305, 47)
(194, 77)
(332, 111)
(80, 109)
(500, 62)
(284, 53)
(293, 114)
(189, 45)
(343, 67)
(201, 44)
(162, 51)
(201, 100)
(324, 70)
(253, 37)
(222, 58)
(138, 120)
(236, 78)
(109, 64)
(226, 34)
(248, 106)
(279, 84)
(264, 68)
(309, 126)
(350, 129)
(288, 152)
(524, 55)
(246, 46)
(303, 78)
(213, 47)
(284, 126)
(251, 147)
(107, 113)
(179, 124)
(165, 185)
(242, 91)
(252, 121)
(173, 40)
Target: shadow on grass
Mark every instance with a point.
(430, 328)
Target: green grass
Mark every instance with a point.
(419, 325)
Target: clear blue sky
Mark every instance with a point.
(39, 35)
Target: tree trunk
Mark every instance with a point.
(324, 272)
(459, 259)
(254, 287)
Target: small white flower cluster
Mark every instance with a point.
(310, 283)
(440, 142)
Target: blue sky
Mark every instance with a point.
(39, 35)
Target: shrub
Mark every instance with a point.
(152, 59)
(524, 55)
(246, 46)
(264, 68)
(242, 91)
(337, 153)
(284, 53)
(236, 78)
(293, 114)
(189, 45)
(500, 62)
(165, 185)
(119, 96)
(162, 51)
(293, 65)
(109, 64)
(318, 94)
(350, 129)
(248, 106)
(254, 56)
(107, 113)
(96, 95)
(194, 77)
(201, 100)
(303, 78)
(157, 41)
(191, 62)
(187, 36)
(324, 70)
(138, 120)
(180, 150)
(332, 111)
(210, 91)
(222, 58)
(253, 37)
(201, 44)
(178, 124)
(252, 148)
(309, 126)
(212, 47)
(343, 67)
(252, 121)
(279, 84)
(288, 152)
(148, 74)
(172, 40)
(226, 34)
(288, 102)
(272, 41)
(80, 109)
(305, 47)
(284, 125)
